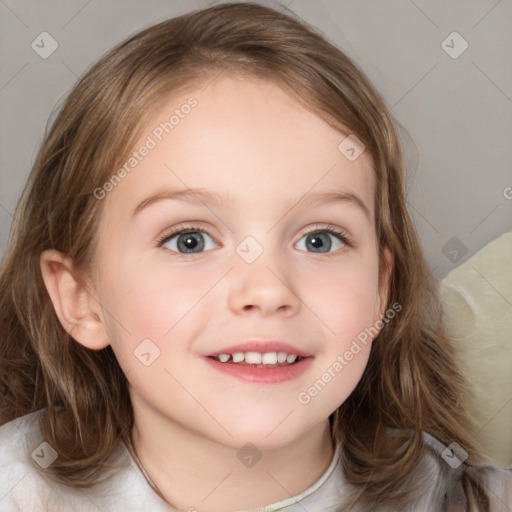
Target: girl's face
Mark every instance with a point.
(261, 161)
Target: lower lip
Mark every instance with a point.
(262, 375)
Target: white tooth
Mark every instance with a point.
(238, 357)
(253, 357)
(281, 357)
(291, 358)
(269, 358)
(223, 358)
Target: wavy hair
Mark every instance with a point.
(411, 381)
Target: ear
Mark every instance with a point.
(78, 311)
(385, 272)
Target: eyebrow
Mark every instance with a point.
(216, 200)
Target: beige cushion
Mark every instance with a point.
(477, 303)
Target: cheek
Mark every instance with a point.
(152, 301)
(346, 309)
(345, 300)
(150, 318)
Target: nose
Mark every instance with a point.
(265, 286)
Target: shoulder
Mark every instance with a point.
(443, 469)
(25, 484)
(21, 452)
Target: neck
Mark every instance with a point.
(192, 472)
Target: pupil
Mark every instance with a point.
(190, 241)
(317, 241)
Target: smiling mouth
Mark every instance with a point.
(270, 368)
(289, 362)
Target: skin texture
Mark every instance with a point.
(249, 138)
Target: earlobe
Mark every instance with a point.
(77, 310)
(382, 295)
(386, 270)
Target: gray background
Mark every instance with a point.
(457, 112)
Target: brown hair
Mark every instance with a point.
(411, 380)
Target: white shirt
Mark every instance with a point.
(25, 485)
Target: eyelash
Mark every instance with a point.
(341, 235)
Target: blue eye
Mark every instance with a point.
(191, 240)
(319, 240)
(186, 240)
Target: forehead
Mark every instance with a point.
(248, 138)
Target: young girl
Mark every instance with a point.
(213, 297)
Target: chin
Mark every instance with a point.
(265, 436)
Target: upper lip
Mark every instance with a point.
(261, 346)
